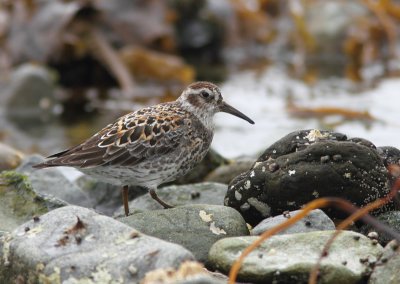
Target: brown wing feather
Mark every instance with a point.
(128, 141)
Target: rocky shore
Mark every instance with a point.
(59, 226)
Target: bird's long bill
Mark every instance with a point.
(231, 110)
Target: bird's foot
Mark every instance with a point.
(154, 195)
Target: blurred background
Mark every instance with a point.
(68, 68)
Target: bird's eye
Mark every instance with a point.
(205, 94)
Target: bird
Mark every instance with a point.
(152, 145)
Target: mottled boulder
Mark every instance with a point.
(305, 165)
(199, 193)
(386, 270)
(196, 227)
(290, 258)
(76, 245)
(19, 202)
(316, 220)
(390, 155)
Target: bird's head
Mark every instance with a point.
(204, 99)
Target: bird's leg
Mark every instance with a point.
(125, 199)
(153, 194)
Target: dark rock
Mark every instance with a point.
(386, 269)
(392, 219)
(316, 220)
(54, 181)
(19, 202)
(200, 193)
(390, 155)
(226, 173)
(290, 173)
(9, 157)
(290, 258)
(195, 227)
(74, 244)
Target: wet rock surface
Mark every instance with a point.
(387, 268)
(316, 220)
(195, 227)
(290, 258)
(19, 202)
(200, 193)
(305, 165)
(73, 244)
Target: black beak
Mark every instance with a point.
(224, 107)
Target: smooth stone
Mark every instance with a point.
(195, 227)
(226, 173)
(55, 181)
(386, 270)
(309, 164)
(316, 220)
(31, 91)
(290, 258)
(76, 245)
(177, 195)
(10, 158)
(19, 202)
(392, 219)
(190, 272)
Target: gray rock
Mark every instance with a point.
(305, 165)
(9, 157)
(386, 270)
(226, 173)
(316, 220)
(196, 227)
(392, 219)
(200, 193)
(190, 272)
(290, 258)
(30, 92)
(54, 181)
(74, 244)
(19, 202)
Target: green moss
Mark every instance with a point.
(18, 197)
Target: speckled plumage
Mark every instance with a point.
(153, 145)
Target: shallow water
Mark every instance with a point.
(263, 96)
